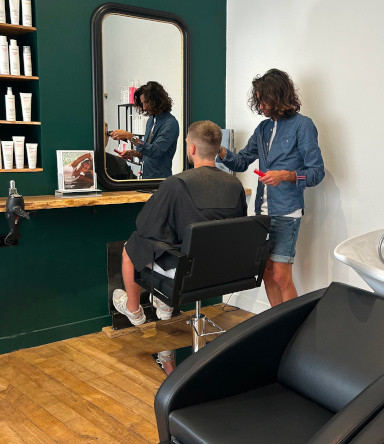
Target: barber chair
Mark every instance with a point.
(217, 257)
(310, 370)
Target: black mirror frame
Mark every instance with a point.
(98, 93)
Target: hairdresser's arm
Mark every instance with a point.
(129, 154)
(312, 172)
(240, 161)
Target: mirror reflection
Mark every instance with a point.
(143, 98)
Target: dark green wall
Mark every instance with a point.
(53, 285)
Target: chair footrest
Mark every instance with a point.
(199, 324)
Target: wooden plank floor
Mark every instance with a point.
(91, 388)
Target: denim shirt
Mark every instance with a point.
(158, 154)
(294, 148)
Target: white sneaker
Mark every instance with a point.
(165, 356)
(163, 311)
(119, 300)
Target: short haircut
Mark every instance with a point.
(276, 89)
(206, 136)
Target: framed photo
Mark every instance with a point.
(76, 170)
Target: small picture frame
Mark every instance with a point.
(76, 171)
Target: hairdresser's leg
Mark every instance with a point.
(272, 289)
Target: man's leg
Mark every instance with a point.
(282, 276)
(131, 288)
(278, 272)
(272, 289)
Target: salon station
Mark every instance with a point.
(190, 222)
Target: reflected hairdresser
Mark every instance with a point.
(157, 149)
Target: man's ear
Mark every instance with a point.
(193, 149)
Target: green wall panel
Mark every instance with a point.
(53, 285)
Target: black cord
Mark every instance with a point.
(232, 309)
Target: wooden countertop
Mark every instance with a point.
(33, 203)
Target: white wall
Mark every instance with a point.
(333, 51)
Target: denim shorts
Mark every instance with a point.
(283, 238)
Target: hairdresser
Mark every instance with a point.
(289, 160)
(162, 131)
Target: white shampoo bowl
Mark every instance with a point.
(361, 253)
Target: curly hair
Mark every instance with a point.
(277, 90)
(158, 99)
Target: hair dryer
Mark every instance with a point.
(14, 211)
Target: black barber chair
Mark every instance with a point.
(310, 370)
(217, 257)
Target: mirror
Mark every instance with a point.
(141, 88)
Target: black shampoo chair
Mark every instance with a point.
(217, 257)
(308, 371)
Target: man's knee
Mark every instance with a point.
(282, 274)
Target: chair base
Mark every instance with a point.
(169, 359)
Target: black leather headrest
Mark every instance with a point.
(339, 349)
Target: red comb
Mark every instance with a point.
(260, 173)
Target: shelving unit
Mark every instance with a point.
(22, 128)
(17, 78)
(15, 30)
(22, 170)
(18, 122)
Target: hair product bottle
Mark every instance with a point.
(10, 110)
(14, 58)
(7, 154)
(4, 58)
(27, 60)
(26, 12)
(31, 155)
(14, 9)
(2, 11)
(26, 104)
(18, 145)
(132, 90)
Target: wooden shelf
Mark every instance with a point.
(17, 78)
(18, 122)
(15, 30)
(107, 198)
(33, 203)
(22, 170)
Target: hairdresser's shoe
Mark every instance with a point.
(120, 303)
(163, 311)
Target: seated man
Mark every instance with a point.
(196, 195)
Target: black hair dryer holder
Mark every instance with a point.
(14, 213)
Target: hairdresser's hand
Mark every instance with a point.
(274, 178)
(121, 135)
(127, 155)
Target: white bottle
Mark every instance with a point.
(27, 60)
(4, 58)
(14, 10)
(2, 11)
(10, 109)
(26, 12)
(14, 58)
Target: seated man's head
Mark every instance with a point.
(203, 143)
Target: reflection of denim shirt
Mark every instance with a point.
(294, 148)
(159, 152)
